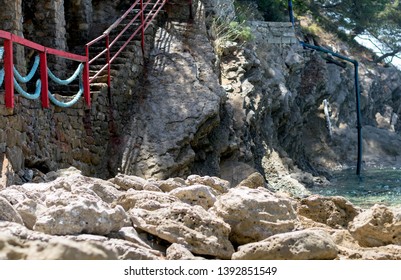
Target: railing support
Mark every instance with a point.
(87, 91)
(44, 80)
(191, 15)
(9, 73)
(142, 29)
(108, 61)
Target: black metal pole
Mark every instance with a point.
(358, 119)
(357, 97)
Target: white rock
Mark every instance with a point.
(377, 226)
(299, 245)
(255, 214)
(192, 226)
(196, 195)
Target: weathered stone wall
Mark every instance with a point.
(34, 141)
(275, 32)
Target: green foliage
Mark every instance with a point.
(230, 29)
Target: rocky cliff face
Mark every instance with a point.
(270, 117)
(258, 107)
(275, 107)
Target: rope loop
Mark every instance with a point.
(31, 96)
(70, 103)
(29, 77)
(66, 81)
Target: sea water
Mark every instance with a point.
(374, 186)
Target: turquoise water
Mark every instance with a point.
(377, 186)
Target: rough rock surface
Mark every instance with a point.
(8, 213)
(179, 106)
(334, 211)
(179, 252)
(377, 226)
(255, 214)
(161, 226)
(196, 195)
(145, 200)
(299, 245)
(217, 184)
(17, 242)
(69, 205)
(192, 226)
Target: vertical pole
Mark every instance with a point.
(358, 119)
(108, 62)
(87, 92)
(9, 74)
(142, 29)
(44, 95)
(291, 12)
(191, 15)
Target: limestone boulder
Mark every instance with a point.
(126, 182)
(219, 185)
(179, 252)
(377, 226)
(70, 205)
(310, 244)
(196, 195)
(20, 243)
(25, 206)
(253, 181)
(335, 211)
(145, 200)
(199, 231)
(349, 248)
(81, 216)
(125, 249)
(8, 213)
(170, 184)
(255, 214)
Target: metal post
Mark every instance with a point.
(358, 119)
(87, 92)
(291, 12)
(9, 74)
(191, 16)
(142, 29)
(108, 62)
(44, 79)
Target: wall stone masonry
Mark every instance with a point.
(275, 32)
(34, 141)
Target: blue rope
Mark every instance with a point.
(29, 77)
(64, 83)
(31, 96)
(67, 81)
(72, 101)
(2, 74)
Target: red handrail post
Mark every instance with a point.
(142, 29)
(44, 95)
(9, 74)
(108, 61)
(87, 91)
(191, 16)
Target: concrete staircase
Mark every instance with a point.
(133, 48)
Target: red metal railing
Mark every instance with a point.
(143, 16)
(9, 41)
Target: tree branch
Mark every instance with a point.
(389, 54)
